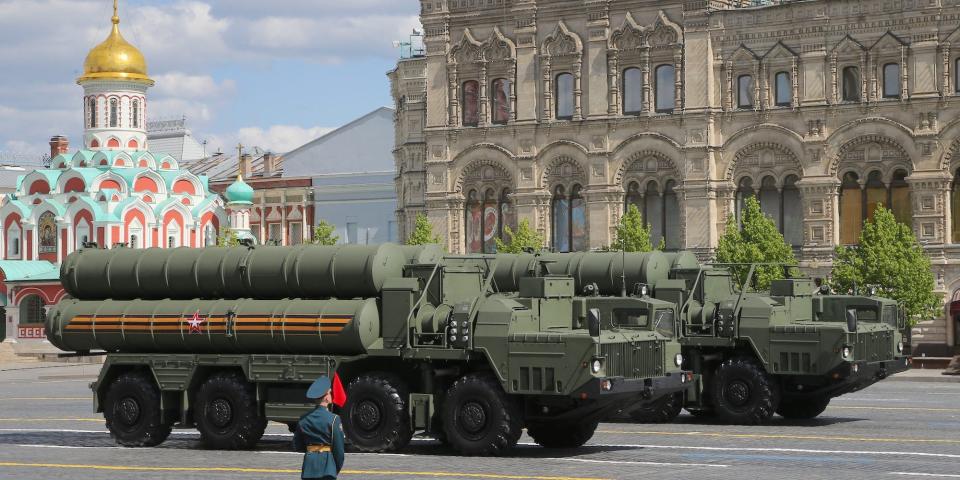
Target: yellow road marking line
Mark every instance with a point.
(51, 419)
(280, 470)
(921, 409)
(785, 437)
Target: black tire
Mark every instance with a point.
(742, 393)
(561, 435)
(662, 410)
(376, 415)
(479, 419)
(702, 413)
(802, 408)
(227, 414)
(132, 411)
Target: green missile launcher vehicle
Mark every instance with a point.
(786, 351)
(226, 339)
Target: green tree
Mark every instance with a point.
(757, 240)
(227, 237)
(422, 232)
(633, 234)
(889, 257)
(525, 238)
(323, 234)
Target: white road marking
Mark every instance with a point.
(918, 474)
(782, 450)
(626, 462)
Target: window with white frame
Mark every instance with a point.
(135, 234)
(296, 233)
(209, 235)
(13, 242)
(83, 234)
(173, 235)
(275, 234)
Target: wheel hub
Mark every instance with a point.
(128, 411)
(367, 415)
(737, 393)
(220, 412)
(472, 417)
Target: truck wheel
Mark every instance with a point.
(662, 410)
(132, 411)
(376, 416)
(561, 435)
(702, 412)
(802, 408)
(742, 393)
(478, 417)
(227, 414)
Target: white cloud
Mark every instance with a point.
(277, 138)
(182, 85)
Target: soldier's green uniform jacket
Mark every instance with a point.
(320, 428)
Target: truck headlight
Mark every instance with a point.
(847, 352)
(678, 359)
(900, 347)
(595, 366)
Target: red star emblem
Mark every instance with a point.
(196, 322)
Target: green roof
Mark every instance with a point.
(29, 270)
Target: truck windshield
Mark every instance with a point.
(631, 317)
(890, 315)
(664, 323)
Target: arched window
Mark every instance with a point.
(173, 235)
(634, 196)
(471, 103)
(744, 191)
(93, 112)
(83, 234)
(660, 212)
(32, 311)
(900, 198)
(135, 233)
(664, 87)
(875, 194)
(632, 91)
(891, 80)
(954, 207)
(508, 215)
(114, 112)
(784, 89)
(653, 212)
(770, 201)
(745, 91)
(781, 204)
(569, 219)
(210, 235)
(135, 113)
(564, 96)
(851, 84)
(792, 212)
(500, 101)
(13, 242)
(858, 205)
(851, 209)
(485, 219)
(671, 217)
(474, 222)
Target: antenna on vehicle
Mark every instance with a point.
(623, 266)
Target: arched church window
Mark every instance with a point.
(83, 234)
(744, 191)
(770, 201)
(47, 228)
(632, 91)
(875, 194)
(851, 209)
(474, 222)
(92, 111)
(13, 242)
(891, 80)
(664, 87)
(745, 91)
(500, 101)
(564, 91)
(210, 235)
(569, 219)
(784, 89)
(900, 198)
(508, 215)
(114, 112)
(471, 103)
(135, 115)
(792, 216)
(173, 235)
(485, 219)
(634, 197)
(851, 84)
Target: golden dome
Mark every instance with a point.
(115, 58)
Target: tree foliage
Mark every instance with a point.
(890, 258)
(525, 238)
(756, 241)
(323, 234)
(423, 232)
(632, 234)
(227, 237)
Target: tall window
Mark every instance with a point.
(135, 233)
(564, 96)
(791, 212)
(296, 233)
(500, 101)
(136, 113)
(745, 91)
(569, 215)
(859, 204)
(784, 89)
(632, 91)
(83, 234)
(780, 204)
(13, 242)
(661, 212)
(209, 235)
(851, 84)
(664, 86)
(485, 219)
(93, 113)
(173, 235)
(744, 191)
(891, 80)
(471, 103)
(114, 112)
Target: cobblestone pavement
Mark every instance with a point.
(891, 430)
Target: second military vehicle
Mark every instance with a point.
(785, 351)
(225, 339)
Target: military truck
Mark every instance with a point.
(226, 339)
(786, 351)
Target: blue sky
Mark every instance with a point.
(274, 74)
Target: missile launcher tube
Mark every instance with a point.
(305, 271)
(602, 268)
(304, 327)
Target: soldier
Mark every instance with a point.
(319, 435)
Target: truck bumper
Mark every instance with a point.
(857, 375)
(630, 388)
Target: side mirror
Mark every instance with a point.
(852, 320)
(593, 322)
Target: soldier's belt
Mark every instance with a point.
(316, 448)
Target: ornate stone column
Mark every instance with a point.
(821, 219)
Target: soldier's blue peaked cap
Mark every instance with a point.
(320, 386)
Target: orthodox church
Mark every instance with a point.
(112, 191)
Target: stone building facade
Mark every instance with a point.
(565, 111)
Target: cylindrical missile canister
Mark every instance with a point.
(336, 327)
(304, 271)
(683, 260)
(422, 254)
